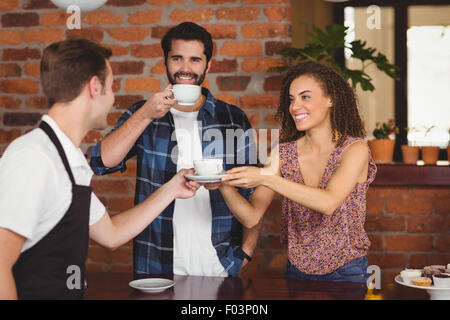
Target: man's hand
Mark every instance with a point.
(184, 188)
(159, 103)
(244, 263)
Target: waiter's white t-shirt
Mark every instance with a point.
(35, 188)
(193, 252)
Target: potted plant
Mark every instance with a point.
(410, 153)
(430, 154)
(323, 48)
(382, 147)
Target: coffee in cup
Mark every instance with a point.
(186, 94)
(208, 166)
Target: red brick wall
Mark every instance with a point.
(246, 35)
(407, 226)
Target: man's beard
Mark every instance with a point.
(198, 79)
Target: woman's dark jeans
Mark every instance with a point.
(353, 271)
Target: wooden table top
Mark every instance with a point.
(114, 286)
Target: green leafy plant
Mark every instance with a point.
(428, 129)
(385, 129)
(323, 48)
(412, 130)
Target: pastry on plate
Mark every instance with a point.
(429, 271)
(421, 281)
(438, 267)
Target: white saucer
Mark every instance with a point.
(435, 293)
(212, 178)
(152, 285)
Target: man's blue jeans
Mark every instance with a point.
(353, 271)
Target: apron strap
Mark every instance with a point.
(51, 134)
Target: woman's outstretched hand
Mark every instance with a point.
(244, 177)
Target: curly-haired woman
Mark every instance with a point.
(322, 169)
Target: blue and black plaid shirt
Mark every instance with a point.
(226, 133)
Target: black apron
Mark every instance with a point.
(54, 268)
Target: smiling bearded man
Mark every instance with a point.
(201, 236)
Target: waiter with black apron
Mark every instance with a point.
(48, 211)
(41, 271)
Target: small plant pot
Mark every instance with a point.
(430, 154)
(382, 150)
(410, 154)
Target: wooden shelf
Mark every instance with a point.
(399, 174)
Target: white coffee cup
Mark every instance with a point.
(186, 94)
(441, 282)
(208, 167)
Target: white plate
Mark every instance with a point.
(435, 293)
(151, 285)
(214, 178)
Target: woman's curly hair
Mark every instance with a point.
(344, 115)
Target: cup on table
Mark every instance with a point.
(186, 94)
(208, 166)
(441, 280)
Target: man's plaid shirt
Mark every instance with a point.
(156, 151)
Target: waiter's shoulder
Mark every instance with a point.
(33, 146)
